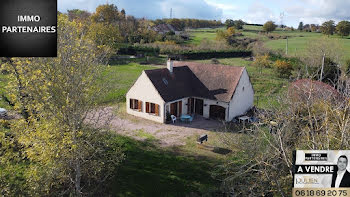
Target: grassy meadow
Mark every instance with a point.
(297, 41)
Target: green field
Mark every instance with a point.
(297, 41)
(119, 78)
(197, 35)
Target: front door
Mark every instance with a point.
(190, 106)
(173, 109)
(199, 106)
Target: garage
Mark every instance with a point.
(217, 112)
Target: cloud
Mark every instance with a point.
(318, 11)
(259, 14)
(252, 11)
(151, 9)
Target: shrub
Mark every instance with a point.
(215, 61)
(221, 35)
(347, 66)
(283, 68)
(262, 61)
(231, 31)
(258, 48)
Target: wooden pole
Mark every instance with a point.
(323, 57)
(287, 46)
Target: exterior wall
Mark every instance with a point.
(144, 91)
(242, 100)
(206, 107)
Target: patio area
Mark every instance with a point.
(164, 134)
(199, 122)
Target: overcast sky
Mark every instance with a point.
(252, 11)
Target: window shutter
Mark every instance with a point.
(147, 107)
(140, 106)
(157, 109)
(131, 104)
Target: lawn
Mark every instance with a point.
(152, 171)
(118, 79)
(197, 37)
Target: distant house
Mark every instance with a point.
(303, 90)
(166, 28)
(209, 90)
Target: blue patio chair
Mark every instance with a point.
(191, 119)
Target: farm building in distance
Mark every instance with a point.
(210, 90)
(165, 28)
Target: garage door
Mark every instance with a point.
(217, 112)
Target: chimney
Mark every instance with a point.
(170, 65)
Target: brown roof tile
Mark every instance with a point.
(212, 81)
(305, 89)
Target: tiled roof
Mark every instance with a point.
(305, 89)
(212, 81)
(164, 28)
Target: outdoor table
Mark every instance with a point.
(244, 118)
(185, 118)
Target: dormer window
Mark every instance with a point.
(165, 81)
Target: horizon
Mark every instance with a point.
(286, 12)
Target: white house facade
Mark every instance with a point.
(208, 90)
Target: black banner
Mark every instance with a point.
(28, 28)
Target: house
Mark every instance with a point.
(210, 90)
(165, 28)
(304, 90)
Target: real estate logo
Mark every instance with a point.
(28, 28)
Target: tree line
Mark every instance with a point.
(109, 26)
(182, 24)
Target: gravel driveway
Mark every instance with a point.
(141, 129)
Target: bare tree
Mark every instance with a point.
(262, 163)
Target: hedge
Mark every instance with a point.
(198, 55)
(134, 50)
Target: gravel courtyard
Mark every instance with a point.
(165, 134)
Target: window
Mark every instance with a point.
(152, 108)
(165, 81)
(136, 104)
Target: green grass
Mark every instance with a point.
(197, 37)
(141, 133)
(252, 28)
(297, 41)
(267, 85)
(119, 78)
(152, 171)
(297, 45)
